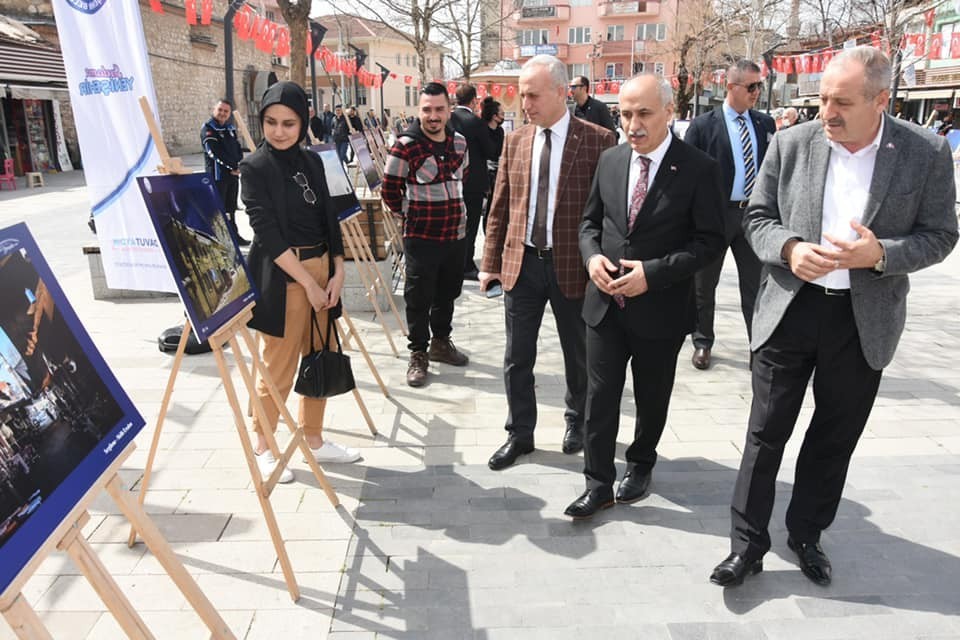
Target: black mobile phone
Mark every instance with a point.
(494, 289)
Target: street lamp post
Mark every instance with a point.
(228, 47)
(360, 57)
(384, 74)
(317, 31)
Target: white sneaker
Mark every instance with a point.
(333, 452)
(268, 462)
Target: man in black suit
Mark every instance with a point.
(737, 137)
(465, 121)
(588, 108)
(652, 220)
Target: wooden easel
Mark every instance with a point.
(68, 537)
(227, 335)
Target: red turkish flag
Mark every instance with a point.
(614, 87)
(955, 44)
(511, 91)
(808, 64)
(408, 79)
(929, 17)
(156, 6)
(283, 42)
(243, 23)
(496, 90)
(451, 87)
(936, 46)
(206, 11)
(920, 44)
(599, 89)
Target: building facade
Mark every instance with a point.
(606, 41)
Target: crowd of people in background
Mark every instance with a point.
(626, 243)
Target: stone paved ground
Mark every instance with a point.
(431, 544)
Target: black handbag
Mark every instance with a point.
(324, 373)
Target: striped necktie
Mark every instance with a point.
(749, 166)
(636, 203)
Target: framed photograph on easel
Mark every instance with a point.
(338, 182)
(201, 248)
(365, 160)
(63, 416)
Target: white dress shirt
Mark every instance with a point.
(845, 195)
(558, 136)
(656, 159)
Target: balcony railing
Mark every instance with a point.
(627, 8)
(549, 13)
(622, 47)
(529, 50)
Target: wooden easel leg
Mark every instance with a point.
(24, 620)
(298, 437)
(377, 280)
(103, 583)
(164, 405)
(263, 490)
(160, 548)
(361, 347)
(363, 410)
(370, 289)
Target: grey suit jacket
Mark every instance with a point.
(910, 209)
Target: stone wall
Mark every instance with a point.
(187, 63)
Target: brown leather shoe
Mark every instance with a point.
(417, 369)
(443, 350)
(701, 358)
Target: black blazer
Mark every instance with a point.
(678, 231)
(480, 147)
(708, 132)
(262, 188)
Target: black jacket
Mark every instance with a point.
(596, 112)
(262, 186)
(480, 147)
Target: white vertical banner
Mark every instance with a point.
(105, 57)
(63, 158)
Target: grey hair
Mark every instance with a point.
(876, 68)
(558, 70)
(737, 69)
(666, 91)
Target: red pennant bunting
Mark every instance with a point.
(156, 6)
(614, 87)
(243, 23)
(190, 10)
(206, 11)
(451, 87)
(393, 76)
(496, 90)
(511, 91)
(408, 79)
(600, 89)
(955, 44)
(929, 16)
(808, 64)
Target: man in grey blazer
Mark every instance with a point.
(844, 208)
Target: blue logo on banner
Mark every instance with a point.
(87, 6)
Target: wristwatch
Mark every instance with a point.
(882, 262)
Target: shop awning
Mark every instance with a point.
(29, 92)
(929, 94)
(26, 64)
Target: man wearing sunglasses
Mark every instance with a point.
(587, 107)
(737, 137)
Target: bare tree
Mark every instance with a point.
(296, 13)
(463, 27)
(833, 19)
(412, 20)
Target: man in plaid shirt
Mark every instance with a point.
(423, 184)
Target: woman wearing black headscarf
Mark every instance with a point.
(296, 260)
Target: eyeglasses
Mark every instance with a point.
(575, 86)
(308, 195)
(753, 86)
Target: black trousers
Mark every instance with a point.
(523, 306)
(228, 186)
(434, 279)
(473, 203)
(817, 337)
(653, 363)
(706, 280)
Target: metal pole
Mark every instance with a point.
(228, 48)
(384, 74)
(317, 32)
(897, 62)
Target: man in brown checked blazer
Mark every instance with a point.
(532, 248)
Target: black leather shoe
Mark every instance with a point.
(573, 439)
(590, 502)
(243, 242)
(734, 569)
(701, 358)
(813, 561)
(633, 486)
(508, 453)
